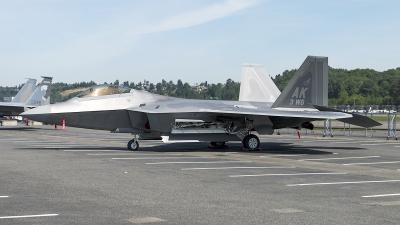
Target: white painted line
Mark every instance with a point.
(362, 157)
(3, 196)
(189, 157)
(59, 137)
(320, 141)
(285, 174)
(349, 142)
(198, 162)
(376, 196)
(58, 144)
(227, 168)
(350, 182)
(36, 141)
(382, 144)
(61, 146)
(94, 150)
(350, 164)
(267, 156)
(12, 140)
(27, 216)
(132, 153)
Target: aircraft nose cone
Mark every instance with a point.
(39, 114)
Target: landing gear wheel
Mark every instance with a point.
(251, 142)
(133, 145)
(218, 144)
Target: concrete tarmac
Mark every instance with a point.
(89, 177)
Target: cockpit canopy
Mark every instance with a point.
(103, 89)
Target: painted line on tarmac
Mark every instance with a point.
(132, 153)
(198, 162)
(376, 196)
(285, 174)
(94, 150)
(361, 157)
(58, 137)
(351, 142)
(294, 155)
(59, 144)
(28, 216)
(382, 144)
(240, 167)
(12, 140)
(373, 163)
(349, 182)
(189, 157)
(80, 146)
(3, 196)
(318, 140)
(36, 141)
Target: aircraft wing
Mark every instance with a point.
(234, 110)
(11, 108)
(264, 120)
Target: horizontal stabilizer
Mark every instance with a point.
(358, 120)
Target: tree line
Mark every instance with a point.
(345, 87)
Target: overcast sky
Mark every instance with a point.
(195, 41)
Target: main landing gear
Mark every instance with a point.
(251, 142)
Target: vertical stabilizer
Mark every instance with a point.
(256, 85)
(25, 92)
(309, 85)
(41, 95)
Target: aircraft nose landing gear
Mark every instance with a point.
(133, 144)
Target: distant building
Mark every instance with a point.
(8, 99)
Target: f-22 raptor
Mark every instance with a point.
(151, 116)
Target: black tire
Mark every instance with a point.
(133, 145)
(218, 144)
(251, 142)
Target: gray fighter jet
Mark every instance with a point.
(151, 116)
(28, 97)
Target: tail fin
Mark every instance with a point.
(41, 95)
(309, 85)
(256, 85)
(25, 92)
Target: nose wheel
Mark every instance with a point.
(251, 142)
(133, 145)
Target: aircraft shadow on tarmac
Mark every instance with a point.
(27, 128)
(269, 148)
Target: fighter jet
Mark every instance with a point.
(151, 116)
(28, 97)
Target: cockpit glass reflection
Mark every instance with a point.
(103, 89)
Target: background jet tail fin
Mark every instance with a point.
(257, 85)
(41, 95)
(25, 92)
(309, 85)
